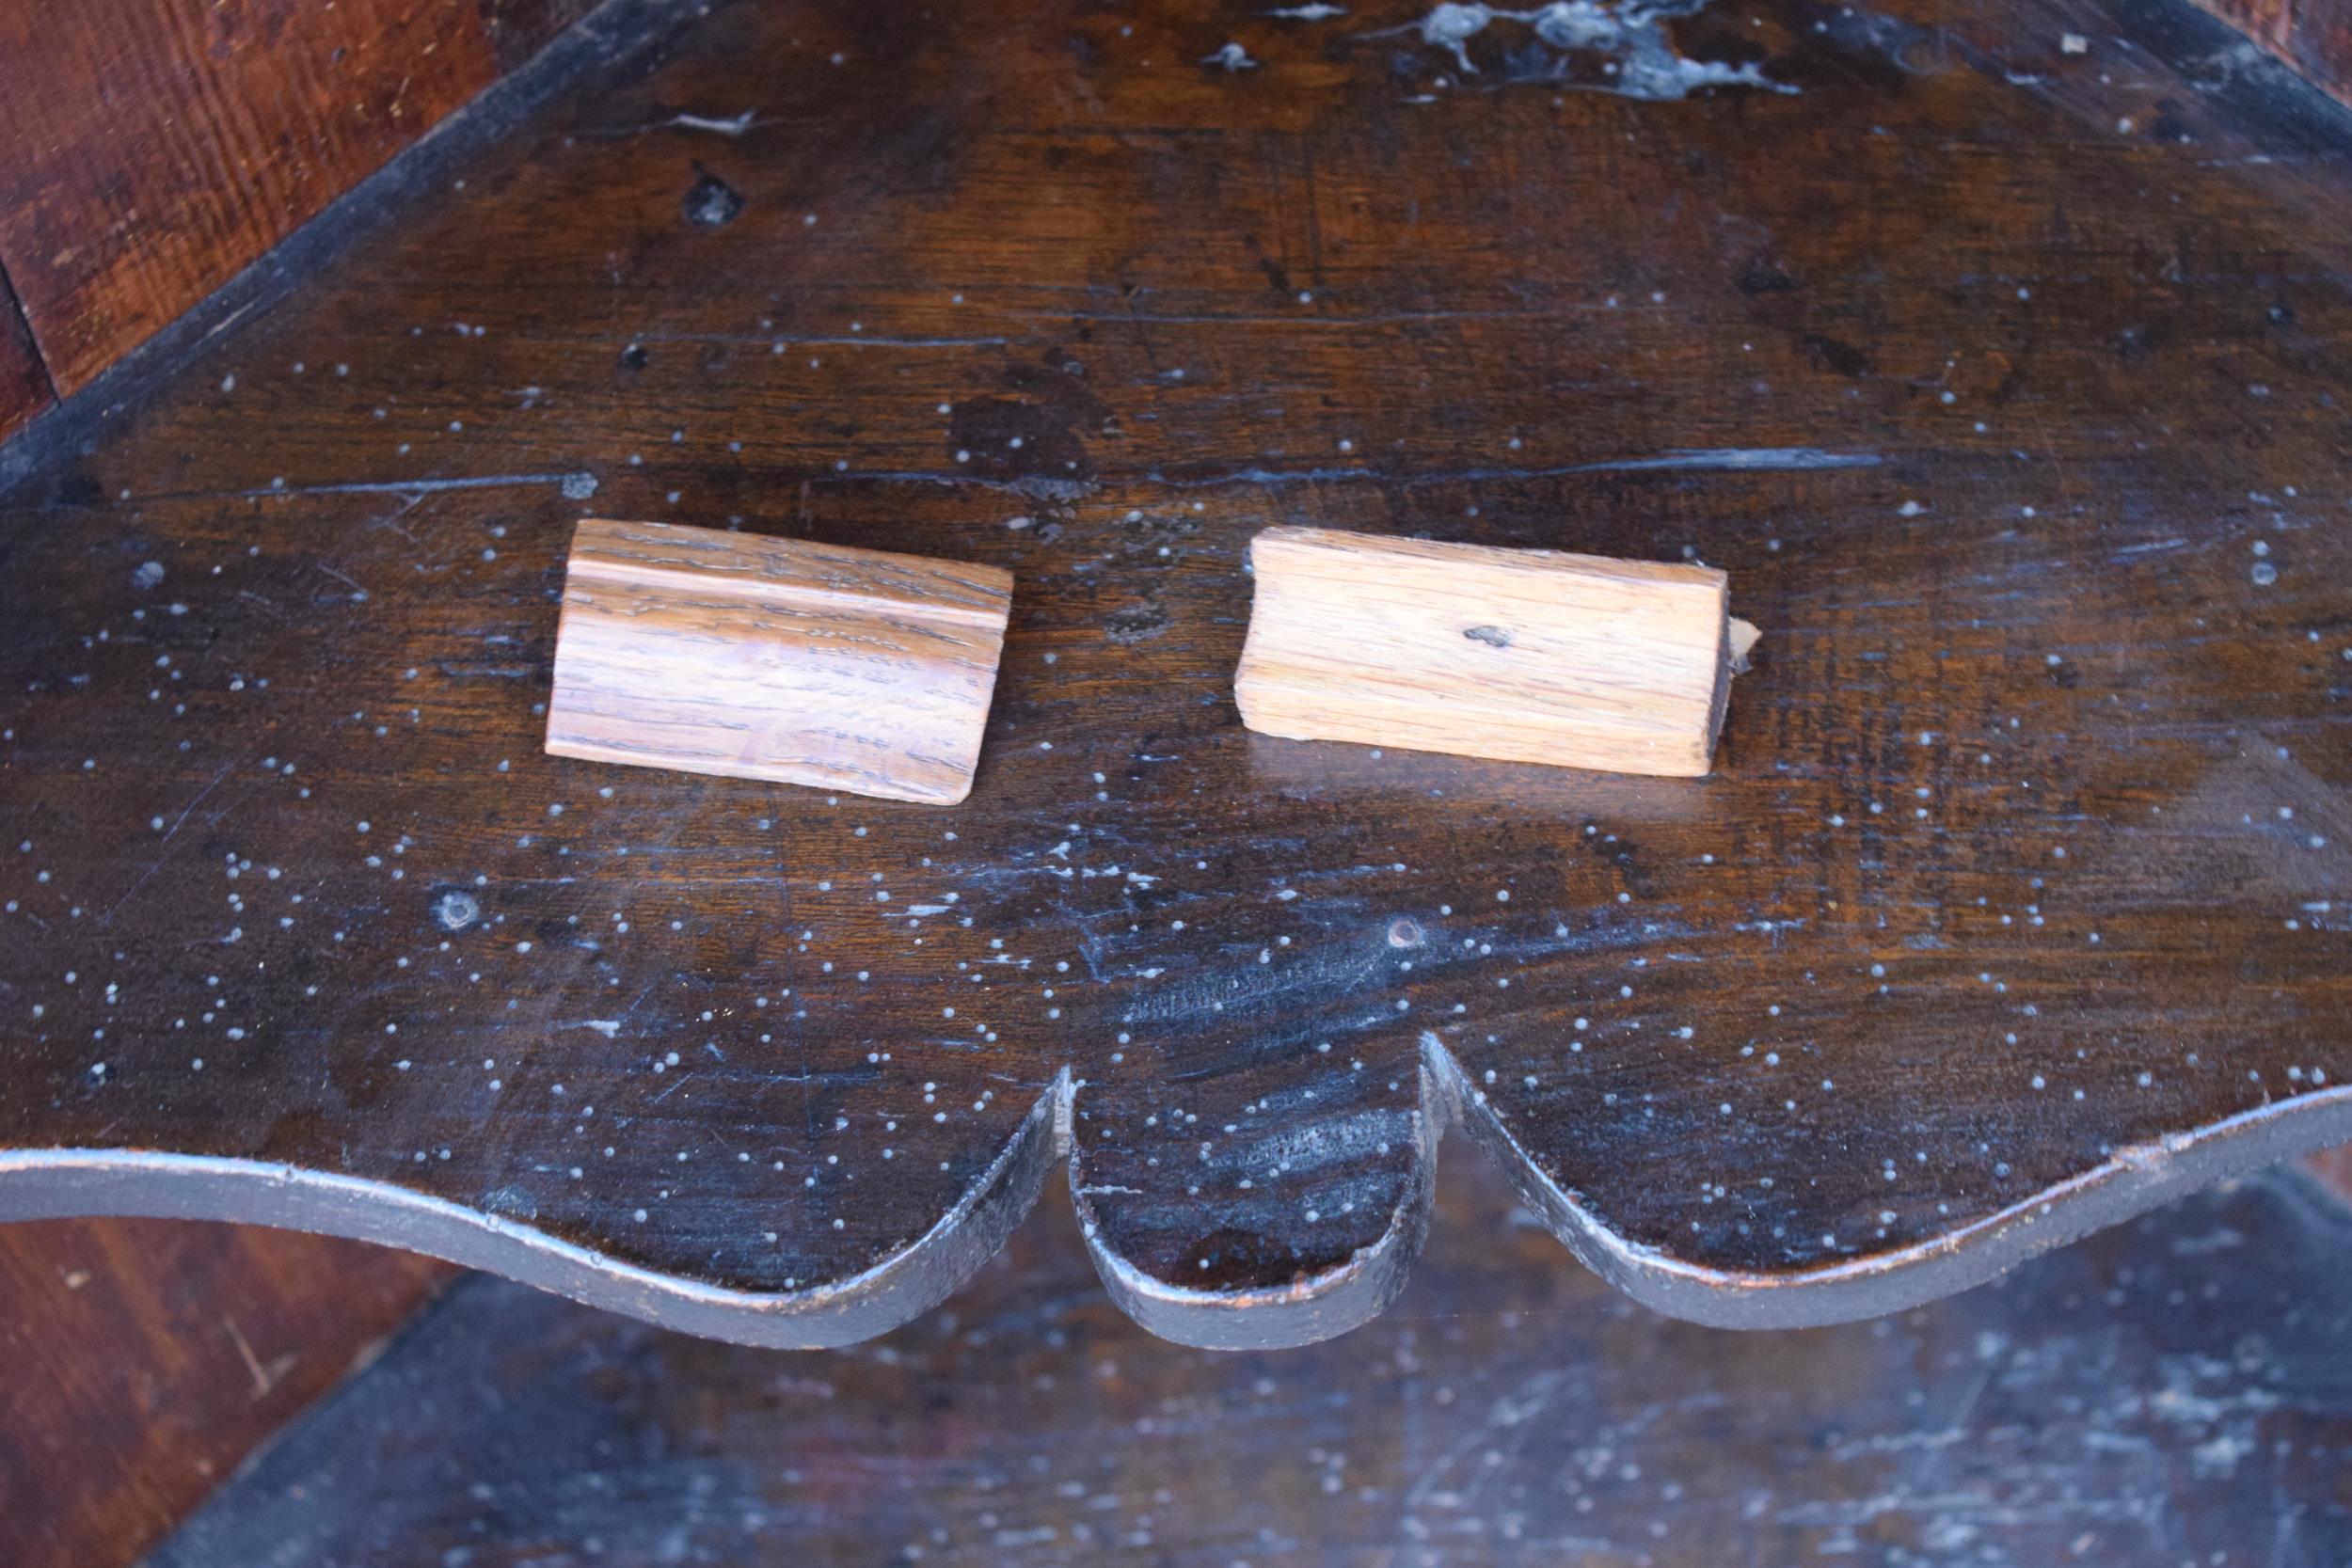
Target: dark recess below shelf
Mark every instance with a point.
(2176, 1390)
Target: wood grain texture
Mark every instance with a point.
(156, 148)
(145, 1361)
(2015, 902)
(1523, 656)
(706, 652)
(2173, 1392)
(2313, 36)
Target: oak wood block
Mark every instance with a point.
(776, 659)
(1524, 655)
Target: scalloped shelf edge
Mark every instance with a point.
(88, 1183)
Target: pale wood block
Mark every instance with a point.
(1524, 655)
(776, 659)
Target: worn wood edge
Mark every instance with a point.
(2318, 49)
(1309, 1309)
(2134, 1181)
(799, 775)
(2262, 90)
(594, 540)
(2128, 1183)
(1255, 719)
(1731, 661)
(89, 1183)
(1539, 558)
(615, 30)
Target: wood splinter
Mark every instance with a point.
(776, 659)
(1521, 656)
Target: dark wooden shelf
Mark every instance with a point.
(2008, 384)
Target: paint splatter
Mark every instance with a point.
(1637, 57)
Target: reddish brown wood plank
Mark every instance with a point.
(145, 1360)
(155, 149)
(23, 385)
(2313, 35)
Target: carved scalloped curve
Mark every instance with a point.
(65, 1183)
(2131, 1181)
(62, 1183)
(1305, 1311)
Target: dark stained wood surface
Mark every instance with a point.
(155, 147)
(146, 1360)
(2176, 1391)
(518, 29)
(2008, 384)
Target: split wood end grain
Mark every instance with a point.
(1521, 656)
(776, 659)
